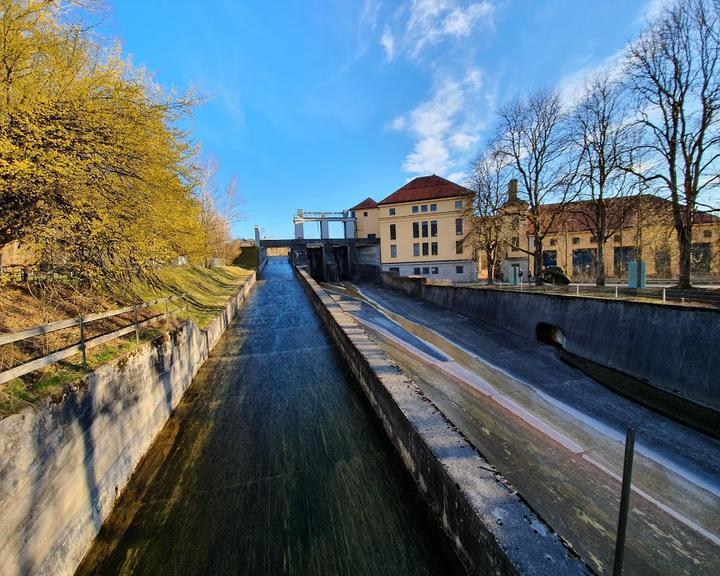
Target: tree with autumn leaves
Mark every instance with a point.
(95, 174)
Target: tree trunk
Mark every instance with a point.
(538, 258)
(600, 263)
(684, 244)
(491, 267)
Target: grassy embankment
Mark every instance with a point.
(203, 290)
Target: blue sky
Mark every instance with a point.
(318, 104)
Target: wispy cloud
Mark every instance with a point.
(370, 12)
(388, 43)
(444, 126)
(423, 23)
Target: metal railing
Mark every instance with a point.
(83, 344)
(696, 297)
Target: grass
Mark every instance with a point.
(203, 292)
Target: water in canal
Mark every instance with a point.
(272, 464)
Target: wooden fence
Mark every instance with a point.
(83, 345)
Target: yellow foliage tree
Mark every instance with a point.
(94, 172)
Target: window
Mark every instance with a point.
(416, 249)
(458, 247)
(426, 249)
(549, 257)
(433, 248)
(426, 270)
(515, 241)
(416, 229)
(458, 226)
(458, 204)
(393, 250)
(372, 236)
(425, 229)
(553, 242)
(393, 232)
(433, 207)
(576, 240)
(423, 208)
(365, 214)
(617, 238)
(433, 228)
(352, 213)
(700, 256)
(391, 211)
(416, 271)
(593, 239)
(433, 270)
(459, 269)
(414, 209)
(707, 233)
(394, 270)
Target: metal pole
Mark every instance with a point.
(82, 343)
(616, 291)
(577, 289)
(624, 501)
(664, 294)
(135, 319)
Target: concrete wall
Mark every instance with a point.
(492, 530)
(437, 270)
(63, 464)
(674, 348)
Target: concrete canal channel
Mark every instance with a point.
(272, 463)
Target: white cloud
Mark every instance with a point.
(429, 155)
(572, 86)
(457, 177)
(369, 14)
(388, 42)
(653, 9)
(423, 23)
(446, 126)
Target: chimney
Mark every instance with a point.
(512, 191)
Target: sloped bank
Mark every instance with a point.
(63, 464)
(492, 530)
(670, 347)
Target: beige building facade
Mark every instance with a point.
(366, 219)
(645, 232)
(423, 227)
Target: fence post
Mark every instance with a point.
(616, 291)
(82, 343)
(135, 320)
(624, 501)
(577, 289)
(664, 294)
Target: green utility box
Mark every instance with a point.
(514, 275)
(636, 274)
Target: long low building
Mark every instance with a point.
(422, 228)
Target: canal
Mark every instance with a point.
(273, 463)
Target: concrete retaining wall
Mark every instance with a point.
(63, 464)
(493, 531)
(674, 348)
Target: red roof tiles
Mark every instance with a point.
(367, 203)
(425, 188)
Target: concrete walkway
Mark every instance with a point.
(558, 436)
(273, 463)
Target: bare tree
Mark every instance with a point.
(673, 71)
(489, 182)
(604, 141)
(533, 136)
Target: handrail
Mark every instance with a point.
(10, 337)
(83, 345)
